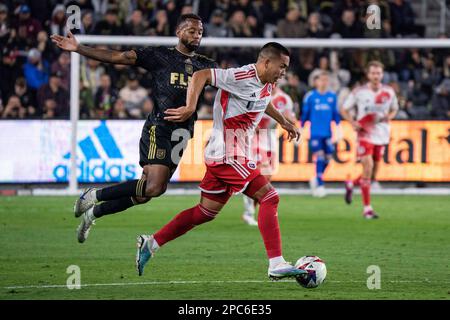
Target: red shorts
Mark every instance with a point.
(232, 177)
(366, 148)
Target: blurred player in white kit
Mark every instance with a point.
(373, 106)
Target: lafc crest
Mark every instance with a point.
(160, 154)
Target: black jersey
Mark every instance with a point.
(171, 71)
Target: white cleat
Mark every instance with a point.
(86, 201)
(85, 226)
(313, 185)
(320, 192)
(376, 185)
(249, 219)
(285, 270)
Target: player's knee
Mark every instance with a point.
(270, 198)
(139, 200)
(155, 190)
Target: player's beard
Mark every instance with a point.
(190, 46)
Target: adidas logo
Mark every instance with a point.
(99, 159)
(253, 95)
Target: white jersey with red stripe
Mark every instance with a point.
(371, 106)
(238, 108)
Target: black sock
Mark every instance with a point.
(132, 188)
(112, 206)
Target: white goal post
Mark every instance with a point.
(216, 42)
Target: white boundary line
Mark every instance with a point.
(124, 284)
(281, 191)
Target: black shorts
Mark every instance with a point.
(162, 143)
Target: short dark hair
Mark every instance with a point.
(272, 49)
(187, 16)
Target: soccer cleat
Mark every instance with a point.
(348, 191)
(370, 215)
(285, 270)
(84, 227)
(249, 219)
(144, 252)
(85, 202)
(375, 185)
(320, 192)
(313, 185)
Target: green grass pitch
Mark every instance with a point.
(225, 259)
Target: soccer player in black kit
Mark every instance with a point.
(170, 68)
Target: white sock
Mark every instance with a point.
(367, 208)
(249, 205)
(90, 214)
(154, 245)
(93, 195)
(273, 262)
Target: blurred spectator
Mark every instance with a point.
(427, 75)
(36, 70)
(91, 71)
(403, 107)
(348, 26)
(134, 97)
(54, 91)
(217, 26)
(402, 17)
(31, 25)
(160, 25)
(27, 98)
(87, 103)
(206, 105)
(110, 25)
(120, 112)
(292, 26)
(5, 30)
(14, 109)
(272, 12)
(62, 65)
(105, 98)
(239, 26)
(137, 26)
(315, 28)
(58, 20)
(440, 102)
(48, 51)
(87, 23)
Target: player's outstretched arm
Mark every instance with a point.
(69, 43)
(195, 87)
(286, 124)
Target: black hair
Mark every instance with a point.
(188, 16)
(273, 48)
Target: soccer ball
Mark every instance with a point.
(317, 271)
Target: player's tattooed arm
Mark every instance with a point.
(69, 43)
(195, 87)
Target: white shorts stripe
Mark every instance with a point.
(238, 170)
(241, 166)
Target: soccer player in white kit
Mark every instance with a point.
(265, 146)
(242, 98)
(373, 106)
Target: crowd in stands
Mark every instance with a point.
(35, 74)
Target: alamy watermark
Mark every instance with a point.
(74, 279)
(373, 17)
(374, 280)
